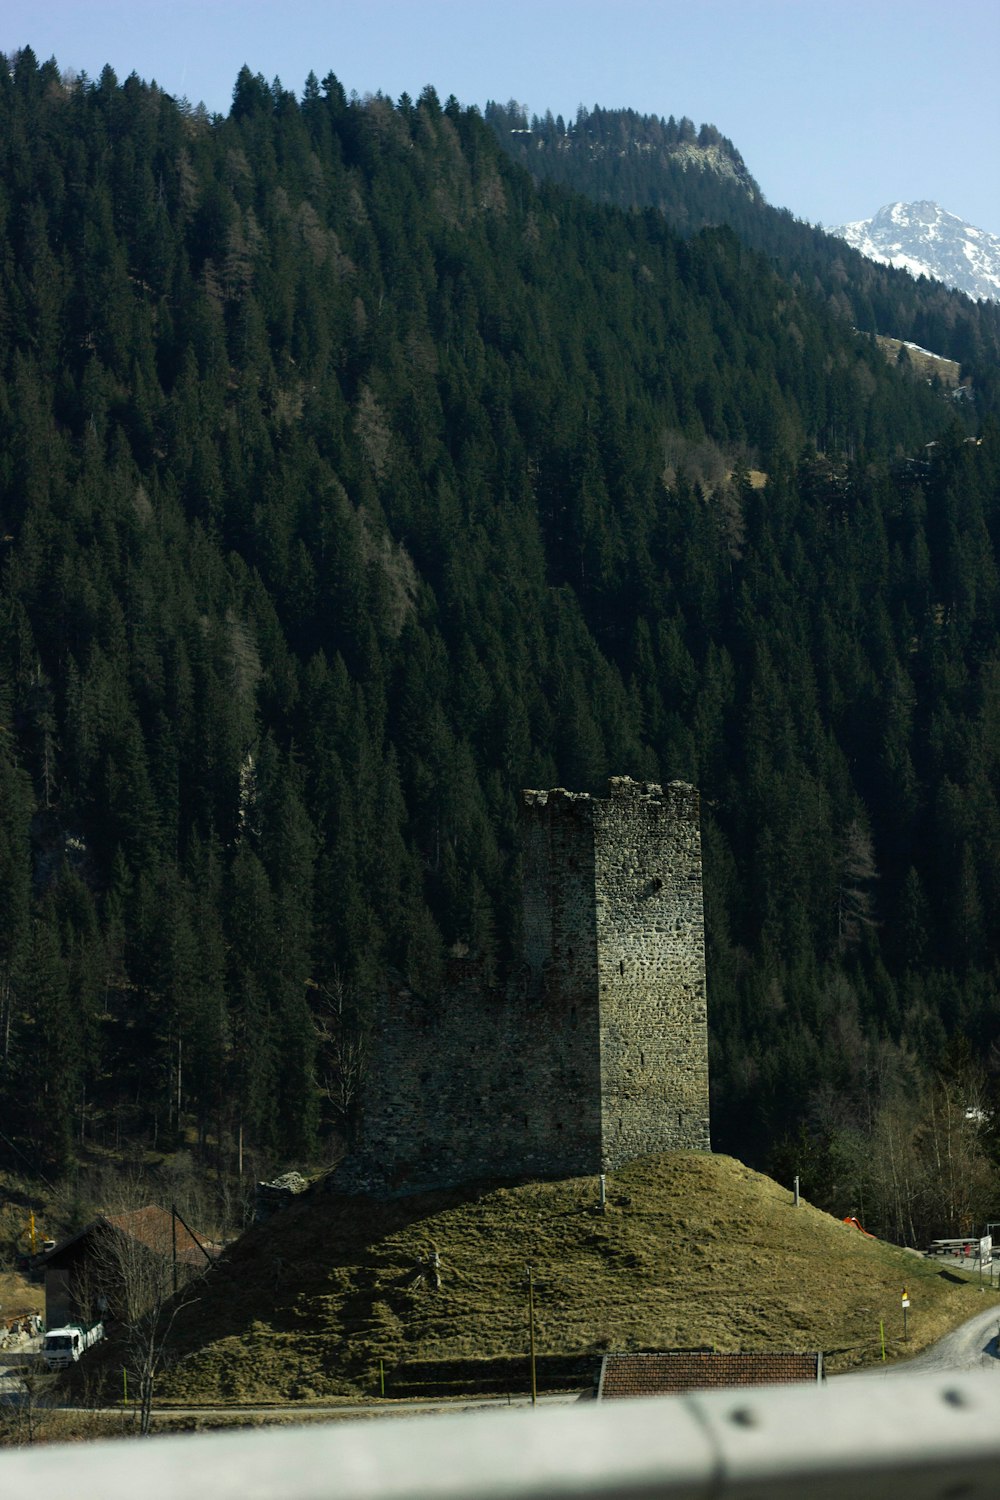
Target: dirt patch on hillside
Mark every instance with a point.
(18, 1295)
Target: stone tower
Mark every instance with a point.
(614, 928)
(595, 1051)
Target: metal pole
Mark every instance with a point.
(604, 1193)
(796, 1192)
(186, 1226)
(173, 1240)
(531, 1334)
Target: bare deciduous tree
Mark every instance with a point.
(343, 1049)
(919, 1164)
(145, 1285)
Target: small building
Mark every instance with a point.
(674, 1371)
(79, 1272)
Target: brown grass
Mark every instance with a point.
(694, 1250)
(19, 1295)
(948, 371)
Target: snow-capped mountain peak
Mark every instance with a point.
(925, 240)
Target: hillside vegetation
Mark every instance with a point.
(351, 481)
(948, 371)
(694, 1250)
(696, 178)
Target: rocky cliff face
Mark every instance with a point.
(925, 240)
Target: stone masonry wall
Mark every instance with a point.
(476, 1084)
(651, 971)
(596, 1051)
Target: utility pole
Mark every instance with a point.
(531, 1334)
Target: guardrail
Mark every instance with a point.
(915, 1436)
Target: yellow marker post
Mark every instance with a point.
(881, 1329)
(906, 1308)
(531, 1334)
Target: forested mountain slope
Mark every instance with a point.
(349, 482)
(697, 178)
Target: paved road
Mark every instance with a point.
(11, 1361)
(971, 1346)
(11, 1386)
(401, 1408)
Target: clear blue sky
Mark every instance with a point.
(838, 106)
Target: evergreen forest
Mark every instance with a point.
(351, 479)
(696, 178)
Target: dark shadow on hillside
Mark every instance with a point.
(272, 1272)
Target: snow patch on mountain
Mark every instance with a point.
(925, 240)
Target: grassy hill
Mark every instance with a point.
(693, 1250)
(948, 371)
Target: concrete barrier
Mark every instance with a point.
(919, 1437)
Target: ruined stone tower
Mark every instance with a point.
(596, 1052)
(613, 926)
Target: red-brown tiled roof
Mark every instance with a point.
(152, 1227)
(672, 1371)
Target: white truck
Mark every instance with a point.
(64, 1346)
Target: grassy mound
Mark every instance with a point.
(694, 1250)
